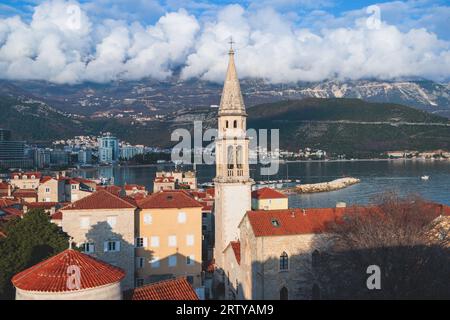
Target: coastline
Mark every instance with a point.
(170, 164)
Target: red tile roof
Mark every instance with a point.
(268, 193)
(130, 187)
(169, 199)
(12, 212)
(210, 191)
(36, 174)
(7, 202)
(51, 275)
(236, 246)
(112, 189)
(292, 221)
(100, 199)
(45, 179)
(43, 205)
(4, 185)
(314, 220)
(25, 193)
(56, 216)
(173, 289)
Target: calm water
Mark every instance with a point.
(376, 177)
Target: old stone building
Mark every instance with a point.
(103, 225)
(51, 189)
(275, 253)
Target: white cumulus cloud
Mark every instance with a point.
(64, 42)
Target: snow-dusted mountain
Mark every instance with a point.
(160, 97)
(425, 95)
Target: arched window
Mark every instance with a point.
(315, 292)
(284, 262)
(226, 124)
(235, 124)
(239, 157)
(315, 258)
(230, 157)
(284, 294)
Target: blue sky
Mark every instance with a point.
(148, 11)
(279, 40)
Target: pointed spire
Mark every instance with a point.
(231, 101)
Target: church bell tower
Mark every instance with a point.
(232, 182)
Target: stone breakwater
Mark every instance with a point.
(326, 186)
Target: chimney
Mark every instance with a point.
(304, 212)
(293, 213)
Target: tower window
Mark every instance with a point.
(235, 124)
(284, 262)
(226, 124)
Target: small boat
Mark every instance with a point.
(425, 177)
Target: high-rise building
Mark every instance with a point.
(108, 149)
(12, 153)
(232, 182)
(5, 135)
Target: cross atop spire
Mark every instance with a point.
(231, 42)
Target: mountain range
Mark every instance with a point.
(152, 97)
(353, 127)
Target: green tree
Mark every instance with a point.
(29, 240)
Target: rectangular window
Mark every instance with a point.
(140, 262)
(154, 241)
(190, 279)
(182, 217)
(148, 218)
(172, 261)
(88, 247)
(47, 190)
(112, 221)
(172, 241)
(74, 187)
(112, 246)
(190, 240)
(154, 263)
(85, 222)
(190, 260)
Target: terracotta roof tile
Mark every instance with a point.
(268, 193)
(236, 246)
(45, 179)
(100, 199)
(43, 205)
(112, 189)
(174, 289)
(51, 275)
(57, 216)
(130, 187)
(169, 199)
(25, 193)
(12, 212)
(36, 174)
(7, 202)
(292, 221)
(313, 220)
